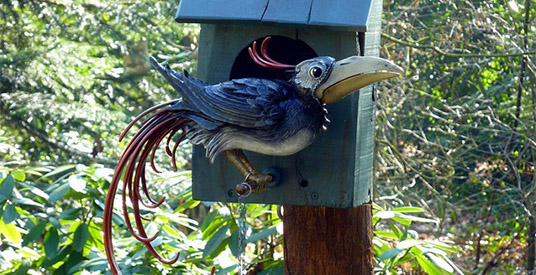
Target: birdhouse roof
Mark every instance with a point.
(353, 15)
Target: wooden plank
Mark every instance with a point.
(287, 12)
(320, 240)
(220, 11)
(342, 15)
(328, 166)
(366, 115)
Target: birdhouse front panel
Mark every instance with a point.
(337, 169)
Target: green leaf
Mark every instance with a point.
(233, 243)
(415, 218)
(59, 170)
(402, 220)
(390, 254)
(385, 234)
(60, 256)
(395, 229)
(11, 232)
(34, 233)
(80, 237)
(211, 229)
(18, 175)
(215, 241)
(439, 262)
(69, 214)
(52, 242)
(384, 215)
(7, 188)
(54, 222)
(407, 244)
(261, 235)
(29, 253)
(58, 193)
(10, 213)
(227, 270)
(428, 266)
(27, 201)
(23, 268)
(75, 258)
(35, 190)
(408, 209)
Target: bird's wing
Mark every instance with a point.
(246, 102)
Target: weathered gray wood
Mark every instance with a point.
(220, 11)
(348, 15)
(287, 12)
(337, 167)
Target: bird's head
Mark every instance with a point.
(329, 80)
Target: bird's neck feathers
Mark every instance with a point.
(306, 95)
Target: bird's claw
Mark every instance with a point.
(254, 183)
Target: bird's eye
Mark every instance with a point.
(315, 72)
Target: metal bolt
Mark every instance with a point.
(314, 196)
(230, 193)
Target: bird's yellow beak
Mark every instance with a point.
(352, 73)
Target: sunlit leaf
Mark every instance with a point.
(408, 209)
(439, 262)
(11, 232)
(29, 253)
(428, 266)
(385, 214)
(19, 175)
(407, 244)
(77, 183)
(385, 234)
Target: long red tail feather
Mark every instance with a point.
(163, 123)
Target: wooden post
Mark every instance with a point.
(321, 240)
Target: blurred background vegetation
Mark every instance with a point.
(455, 138)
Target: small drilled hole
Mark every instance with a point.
(304, 183)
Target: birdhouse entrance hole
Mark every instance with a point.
(281, 48)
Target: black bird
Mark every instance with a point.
(271, 117)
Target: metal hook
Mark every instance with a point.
(245, 188)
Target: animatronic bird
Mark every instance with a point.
(271, 117)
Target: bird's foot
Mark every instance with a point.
(262, 180)
(254, 183)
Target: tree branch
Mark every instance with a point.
(450, 54)
(52, 143)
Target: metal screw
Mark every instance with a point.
(304, 183)
(230, 193)
(314, 196)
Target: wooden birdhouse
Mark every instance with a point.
(337, 169)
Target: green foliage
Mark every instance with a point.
(455, 146)
(456, 135)
(398, 247)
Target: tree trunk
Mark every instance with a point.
(531, 246)
(320, 240)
